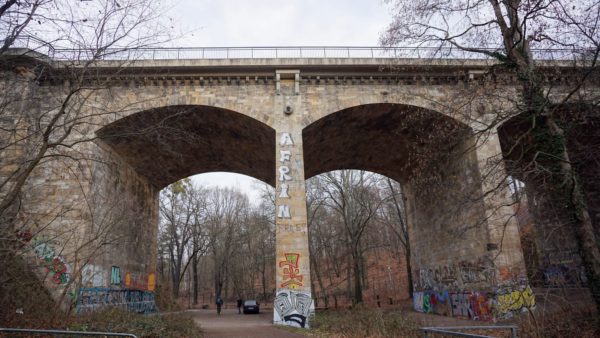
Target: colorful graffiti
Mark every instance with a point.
(432, 302)
(140, 281)
(291, 273)
(151, 281)
(514, 301)
(564, 275)
(564, 268)
(94, 299)
(55, 265)
(293, 308)
(115, 275)
(471, 305)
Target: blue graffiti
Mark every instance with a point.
(94, 299)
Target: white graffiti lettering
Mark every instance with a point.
(284, 191)
(283, 211)
(283, 174)
(284, 155)
(286, 140)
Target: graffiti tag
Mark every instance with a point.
(293, 308)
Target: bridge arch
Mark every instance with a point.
(380, 137)
(435, 158)
(168, 143)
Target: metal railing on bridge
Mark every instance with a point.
(181, 53)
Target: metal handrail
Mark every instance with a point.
(269, 52)
(67, 332)
(454, 330)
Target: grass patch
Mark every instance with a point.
(177, 325)
(173, 325)
(363, 323)
(559, 325)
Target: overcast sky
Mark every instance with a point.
(280, 22)
(222, 23)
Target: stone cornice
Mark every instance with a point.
(313, 71)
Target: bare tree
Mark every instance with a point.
(354, 196)
(227, 212)
(182, 211)
(394, 216)
(52, 128)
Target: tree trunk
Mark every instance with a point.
(357, 280)
(320, 281)
(582, 224)
(175, 279)
(409, 272)
(195, 282)
(176, 286)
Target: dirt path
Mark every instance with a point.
(231, 324)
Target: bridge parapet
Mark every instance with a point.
(278, 52)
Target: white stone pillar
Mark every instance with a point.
(294, 305)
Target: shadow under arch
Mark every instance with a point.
(169, 143)
(386, 138)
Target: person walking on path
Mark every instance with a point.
(219, 305)
(239, 305)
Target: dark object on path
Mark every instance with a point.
(219, 304)
(251, 306)
(240, 302)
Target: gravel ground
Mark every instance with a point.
(232, 324)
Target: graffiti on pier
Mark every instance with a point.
(437, 302)
(453, 276)
(140, 281)
(115, 275)
(476, 305)
(563, 268)
(513, 301)
(293, 308)
(24, 237)
(92, 276)
(291, 273)
(55, 264)
(94, 299)
(471, 305)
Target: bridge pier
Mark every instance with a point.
(293, 301)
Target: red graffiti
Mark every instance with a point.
(480, 306)
(24, 237)
(58, 268)
(140, 281)
(291, 273)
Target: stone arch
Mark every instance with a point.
(131, 101)
(432, 154)
(423, 98)
(169, 143)
(142, 152)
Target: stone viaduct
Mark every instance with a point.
(421, 122)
